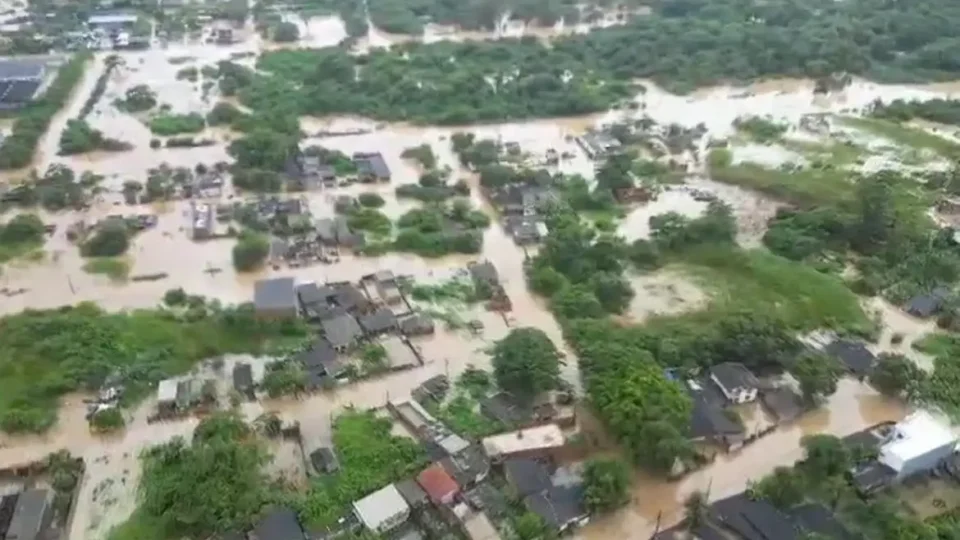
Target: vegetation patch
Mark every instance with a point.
(115, 268)
(166, 124)
(911, 137)
(20, 237)
(84, 345)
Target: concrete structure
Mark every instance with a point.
(31, 515)
(382, 510)
(538, 441)
(916, 444)
(201, 220)
(167, 395)
(736, 382)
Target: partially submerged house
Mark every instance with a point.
(416, 324)
(411, 492)
(783, 403)
(387, 287)
(243, 380)
(342, 331)
(526, 476)
(738, 384)
(400, 354)
(853, 355)
(596, 144)
(468, 466)
(711, 422)
(321, 362)
(275, 298)
(928, 304)
(324, 460)
(371, 167)
(382, 510)
(560, 507)
(379, 322)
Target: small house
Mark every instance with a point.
(324, 461)
(411, 492)
(484, 273)
(371, 167)
(243, 379)
(468, 466)
(929, 304)
(382, 510)
(918, 443)
(438, 484)
(342, 331)
(275, 298)
(387, 287)
(710, 422)
(737, 383)
(167, 396)
(783, 403)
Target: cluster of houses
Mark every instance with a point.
(312, 172)
(913, 450)
(523, 210)
(348, 315)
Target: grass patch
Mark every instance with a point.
(176, 124)
(758, 281)
(462, 415)
(115, 268)
(456, 290)
(808, 185)
(835, 153)
(938, 344)
(29, 252)
(903, 135)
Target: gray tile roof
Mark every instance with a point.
(527, 476)
(341, 331)
(279, 524)
(273, 294)
(29, 515)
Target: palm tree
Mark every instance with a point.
(695, 509)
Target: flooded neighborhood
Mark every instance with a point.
(448, 329)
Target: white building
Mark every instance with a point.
(382, 510)
(737, 383)
(918, 443)
(533, 442)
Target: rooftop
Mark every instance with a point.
(541, 437)
(372, 163)
(276, 293)
(733, 375)
(914, 436)
(753, 520)
(341, 331)
(380, 507)
(28, 515)
(558, 506)
(527, 476)
(167, 390)
(242, 376)
(437, 483)
(411, 492)
(853, 354)
(381, 320)
(21, 69)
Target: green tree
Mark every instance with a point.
(175, 297)
(826, 455)
(107, 420)
(895, 375)
(284, 378)
(606, 484)
(263, 149)
(695, 507)
(526, 363)
(817, 375)
(645, 255)
(286, 32)
(370, 200)
(783, 489)
(110, 240)
(576, 302)
(529, 526)
(22, 229)
(374, 357)
(250, 251)
(612, 290)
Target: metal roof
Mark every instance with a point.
(380, 507)
(167, 390)
(277, 293)
(21, 69)
(28, 516)
(279, 524)
(437, 483)
(341, 331)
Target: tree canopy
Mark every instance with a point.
(607, 484)
(526, 363)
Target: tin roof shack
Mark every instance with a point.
(382, 510)
(275, 298)
(371, 167)
(433, 389)
(342, 331)
(752, 519)
(279, 524)
(438, 484)
(31, 515)
(738, 384)
(917, 444)
(541, 441)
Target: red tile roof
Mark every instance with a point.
(438, 483)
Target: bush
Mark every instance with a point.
(114, 268)
(137, 99)
(286, 32)
(175, 124)
(250, 252)
(370, 200)
(224, 114)
(22, 229)
(107, 420)
(110, 240)
(79, 137)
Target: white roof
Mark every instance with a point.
(914, 436)
(167, 390)
(453, 444)
(380, 507)
(537, 438)
(112, 18)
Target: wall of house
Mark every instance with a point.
(926, 461)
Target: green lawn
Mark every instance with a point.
(759, 281)
(903, 135)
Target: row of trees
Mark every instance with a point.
(79, 137)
